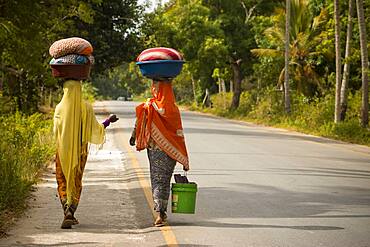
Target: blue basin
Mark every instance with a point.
(160, 68)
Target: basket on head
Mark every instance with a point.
(72, 58)
(71, 71)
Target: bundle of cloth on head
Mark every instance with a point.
(72, 58)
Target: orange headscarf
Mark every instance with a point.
(159, 118)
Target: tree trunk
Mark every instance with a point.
(2, 82)
(207, 99)
(338, 65)
(51, 98)
(223, 86)
(223, 92)
(287, 44)
(194, 92)
(219, 86)
(237, 83)
(343, 91)
(231, 86)
(364, 64)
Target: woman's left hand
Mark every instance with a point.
(186, 168)
(113, 118)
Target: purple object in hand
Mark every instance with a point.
(106, 123)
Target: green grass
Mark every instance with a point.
(311, 116)
(26, 144)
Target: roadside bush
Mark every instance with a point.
(269, 107)
(248, 102)
(350, 131)
(222, 100)
(6, 104)
(25, 146)
(313, 115)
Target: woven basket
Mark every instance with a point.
(71, 71)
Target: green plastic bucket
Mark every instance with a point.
(184, 197)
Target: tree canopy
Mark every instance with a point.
(234, 46)
(28, 28)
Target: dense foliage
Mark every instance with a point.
(28, 28)
(238, 47)
(25, 146)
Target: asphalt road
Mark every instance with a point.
(267, 187)
(258, 186)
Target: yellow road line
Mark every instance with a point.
(167, 232)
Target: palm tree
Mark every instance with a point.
(286, 68)
(364, 64)
(304, 36)
(338, 65)
(346, 69)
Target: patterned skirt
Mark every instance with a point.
(62, 183)
(161, 169)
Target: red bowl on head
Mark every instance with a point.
(72, 71)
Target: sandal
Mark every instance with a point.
(161, 219)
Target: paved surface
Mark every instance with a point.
(257, 187)
(112, 211)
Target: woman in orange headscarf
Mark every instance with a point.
(158, 128)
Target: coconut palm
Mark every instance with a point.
(338, 65)
(305, 30)
(286, 67)
(364, 64)
(346, 68)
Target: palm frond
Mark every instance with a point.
(267, 53)
(275, 33)
(320, 19)
(281, 76)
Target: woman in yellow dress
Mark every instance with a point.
(75, 124)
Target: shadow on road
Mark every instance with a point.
(61, 244)
(309, 171)
(249, 133)
(230, 225)
(184, 245)
(262, 201)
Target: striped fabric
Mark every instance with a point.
(73, 59)
(161, 169)
(159, 53)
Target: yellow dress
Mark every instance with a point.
(75, 126)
